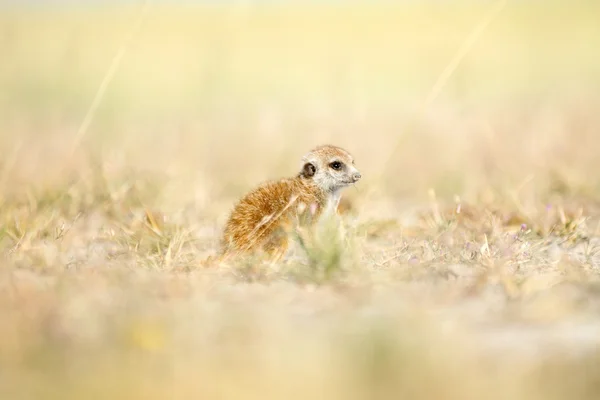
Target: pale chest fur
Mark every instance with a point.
(331, 203)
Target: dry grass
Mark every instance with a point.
(470, 262)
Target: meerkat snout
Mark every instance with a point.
(356, 176)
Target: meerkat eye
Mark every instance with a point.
(336, 165)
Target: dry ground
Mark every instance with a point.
(470, 267)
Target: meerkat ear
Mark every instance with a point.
(308, 170)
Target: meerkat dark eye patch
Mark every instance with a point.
(336, 165)
(308, 170)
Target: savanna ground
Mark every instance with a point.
(471, 258)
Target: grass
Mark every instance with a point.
(467, 264)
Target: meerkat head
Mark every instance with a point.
(330, 167)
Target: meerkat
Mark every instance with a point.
(262, 219)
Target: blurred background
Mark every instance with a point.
(127, 130)
(234, 92)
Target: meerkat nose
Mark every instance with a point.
(356, 176)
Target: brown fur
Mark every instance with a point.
(262, 219)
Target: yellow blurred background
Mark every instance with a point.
(239, 91)
(122, 149)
